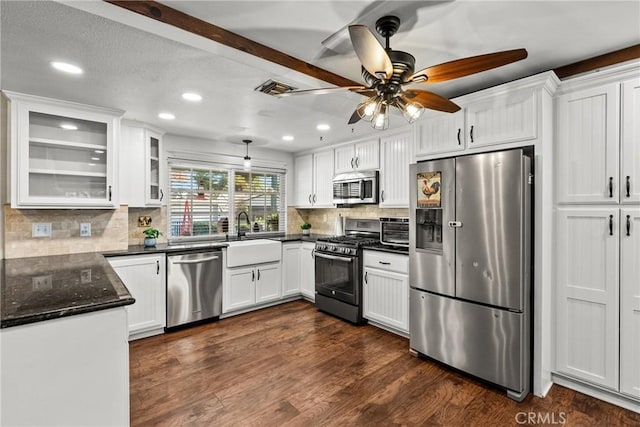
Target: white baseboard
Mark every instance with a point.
(597, 392)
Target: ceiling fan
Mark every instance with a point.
(387, 72)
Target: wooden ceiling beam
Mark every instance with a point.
(590, 64)
(175, 18)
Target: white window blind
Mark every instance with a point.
(203, 203)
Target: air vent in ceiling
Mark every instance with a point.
(273, 88)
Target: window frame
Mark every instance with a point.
(231, 170)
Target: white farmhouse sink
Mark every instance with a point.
(249, 252)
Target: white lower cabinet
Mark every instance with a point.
(598, 312)
(145, 278)
(386, 290)
(630, 302)
(251, 285)
(291, 268)
(308, 271)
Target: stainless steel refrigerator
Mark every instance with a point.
(470, 266)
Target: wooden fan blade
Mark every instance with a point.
(366, 92)
(370, 52)
(320, 91)
(432, 101)
(467, 66)
(355, 117)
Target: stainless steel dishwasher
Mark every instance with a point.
(194, 287)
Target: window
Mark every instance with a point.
(204, 204)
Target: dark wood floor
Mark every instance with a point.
(292, 365)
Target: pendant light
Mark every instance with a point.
(247, 159)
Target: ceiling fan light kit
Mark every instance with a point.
(386, 72)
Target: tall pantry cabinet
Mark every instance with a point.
(598, 231)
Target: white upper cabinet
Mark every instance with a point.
(630, 142)
(588, 145)
(314, 180)
(141, 166)
(63, 155)
(502, 118)
(395, 156)
(441, 133)
(364, 155)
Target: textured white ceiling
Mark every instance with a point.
(142, 67)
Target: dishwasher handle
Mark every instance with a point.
(194, 261)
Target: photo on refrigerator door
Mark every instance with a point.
(429, 184)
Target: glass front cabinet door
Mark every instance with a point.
(62, 154)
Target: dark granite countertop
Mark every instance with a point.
(213, 244)
(50, 287)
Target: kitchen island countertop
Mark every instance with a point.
(43, 288)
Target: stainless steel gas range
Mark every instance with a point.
(339, 269)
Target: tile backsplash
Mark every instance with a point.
(158, 218)
(323, 221)
(108, 231)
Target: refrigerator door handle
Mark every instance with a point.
(455, 224)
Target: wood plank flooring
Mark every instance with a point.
(291, 365)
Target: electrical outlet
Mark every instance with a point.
(40, 283)
(41, 229)
(85, 229)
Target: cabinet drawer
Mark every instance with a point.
(387, 261)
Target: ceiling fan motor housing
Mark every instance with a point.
(403, 67)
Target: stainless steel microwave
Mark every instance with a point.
(353, 188)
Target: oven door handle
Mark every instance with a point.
(337, 258)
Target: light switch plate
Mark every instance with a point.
(85, 229)
(41, 229)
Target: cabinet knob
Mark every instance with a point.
(610, 186)
(610, 225)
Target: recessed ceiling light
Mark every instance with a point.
(287, 138)
(190, 96)
(67, 68)
(68, 126)
(166, 116)
(98, 151)
(92, 164)
(95, 158)
(323, 126)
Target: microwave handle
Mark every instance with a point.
(362, 189)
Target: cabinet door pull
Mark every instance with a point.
(628, 225)
(628, 185)
(610, 225)
(384, 262)
(157, 267)
(357, 160)
(366, 276)
(471, 133)
(313, 253)
(109, 193)
(382, 196)
(459, 136)
(253, 275)
(610, 186)
(352, 163)
(161, 194)
(314, 198)
(310, 199)
(258, 274)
